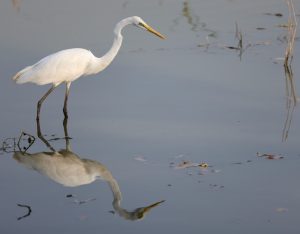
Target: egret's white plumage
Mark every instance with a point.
(63, 66)
(68, 65)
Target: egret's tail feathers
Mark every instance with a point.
(18, 77)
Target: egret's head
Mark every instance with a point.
(138, 213)
(139, 22)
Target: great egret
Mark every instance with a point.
(68, 65)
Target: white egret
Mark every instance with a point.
(68, 65)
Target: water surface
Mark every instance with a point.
(161, 103)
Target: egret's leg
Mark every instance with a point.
(67, 138)
(40, 135)
(40, 102)
(66, 99)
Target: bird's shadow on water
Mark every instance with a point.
(68, 169)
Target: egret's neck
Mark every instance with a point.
(113, 184)
(101, 63)
(111, 54)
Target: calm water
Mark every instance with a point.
(161, 103)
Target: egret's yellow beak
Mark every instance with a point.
(150, 29)
(148, 208)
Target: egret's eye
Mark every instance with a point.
(141, 24)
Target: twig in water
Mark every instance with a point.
(28, 212)
(30, 140)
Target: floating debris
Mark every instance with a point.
(140, 159)
(237, 163)
(204, 165)
(216, 186)
(79, 202)
(232, 47)
(281, 210)
(282, 25)
(270, 156)
(260, 28)
(274, 14)
(186, 164)
(179, 156)
(215, 171)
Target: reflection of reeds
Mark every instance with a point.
(291, 100)
(289, 78)
(290, 87)
(292, 29)
(239, 37)
(192, 20)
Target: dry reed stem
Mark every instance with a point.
(292, 30)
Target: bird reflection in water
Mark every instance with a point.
(67, 168)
